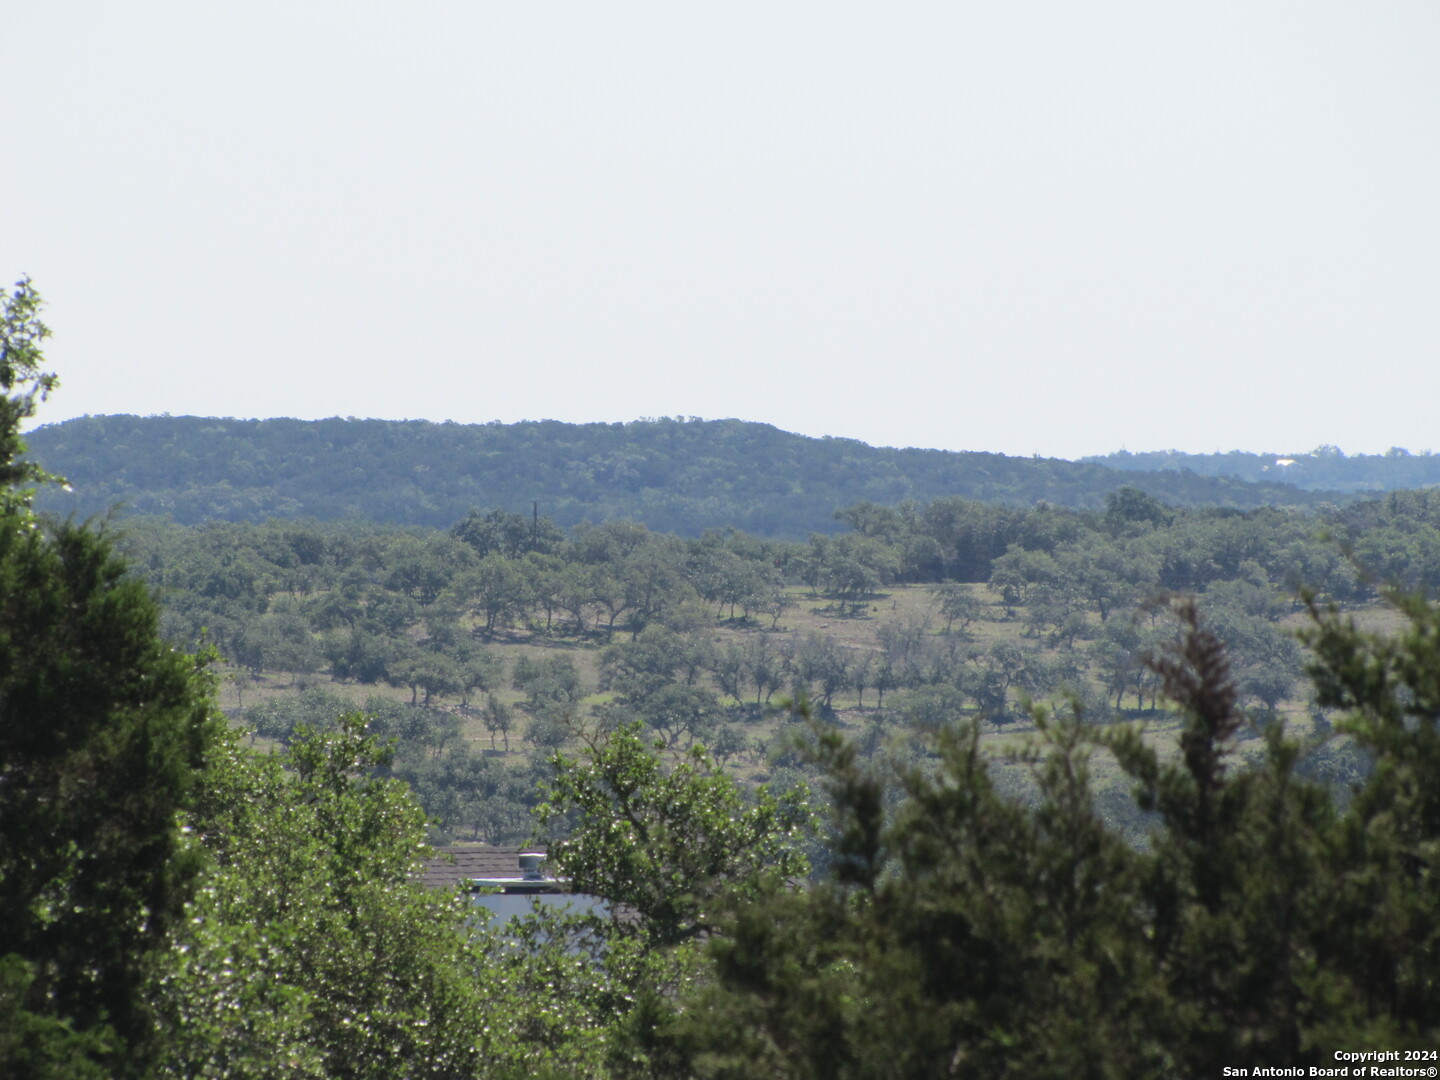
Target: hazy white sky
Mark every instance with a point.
(1060, 228)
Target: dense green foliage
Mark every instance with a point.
(104, 732)
(669, 842)
(309, 887)
(681, 476)
(22, 385)
(961, 933)
(312, 952)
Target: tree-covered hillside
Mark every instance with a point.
(682, 476)
(1326, 468)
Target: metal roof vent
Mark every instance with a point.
(531, 863)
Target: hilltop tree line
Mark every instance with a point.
(1326, 468)
(680, 475)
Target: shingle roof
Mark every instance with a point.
(456, 866)
(450, 867)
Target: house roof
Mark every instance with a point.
(450, 867)
(458, 866)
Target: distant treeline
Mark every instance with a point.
(1326, 468)
(673, 475)
(499, 572)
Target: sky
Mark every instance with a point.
(1030, 228)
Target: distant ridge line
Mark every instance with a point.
(682, 476)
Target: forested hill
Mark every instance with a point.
(1326, 468)
(681, 476)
